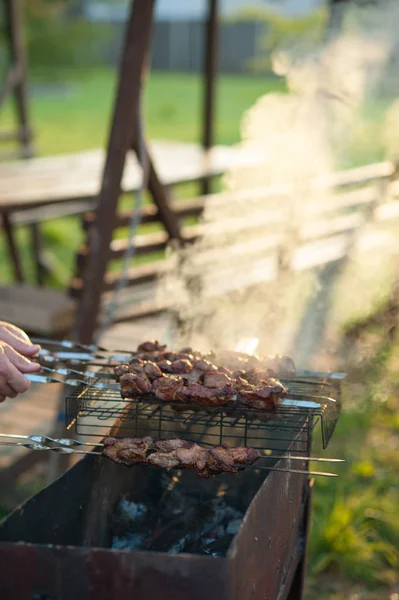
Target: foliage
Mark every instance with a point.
(57, 38)
(282, 32)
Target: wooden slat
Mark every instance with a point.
(45, 311)
(77, 176)
(135, 276)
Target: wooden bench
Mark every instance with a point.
(323, 235)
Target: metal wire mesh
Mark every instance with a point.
(93, 412)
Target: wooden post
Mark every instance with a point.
(121, 139)
(16, 78)
(12, 247)
(209, 76)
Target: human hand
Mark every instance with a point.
(12, 368)
(15, 351)
(17, 339)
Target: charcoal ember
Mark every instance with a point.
(202, 395)
(128, 451)
(152, 371)
(219, 547)
(263, 398)
(167, 388)
(151, 346)
(134, 385)
(121, 370)
(181, 366)
(177, 534)
(129, 541)
(215, 379)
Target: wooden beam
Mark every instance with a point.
(209, 77)
(12, 247)
(13, 17)
(160, 196)
(137, 40)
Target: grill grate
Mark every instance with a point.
(92, 412)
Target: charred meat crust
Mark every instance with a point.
(193, 378)
(179, 454)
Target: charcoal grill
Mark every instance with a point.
(61, 539)
(56, 546)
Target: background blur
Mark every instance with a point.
(280, 64)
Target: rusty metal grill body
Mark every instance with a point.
(56, 546)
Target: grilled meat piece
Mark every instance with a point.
(216, 379)
(200, 394)
(165, 460)
(187, 350)
(263, 397)
(181, 366)
(121, 370)
(204, 365)
(133, 385)
(220, 461)
(179, 454)
(255, 376)
(165, 366)
(244, 456)
(195, 376)
(128, 451)
(170, 445)
(167, 388)
(152, 346)
(152, 371)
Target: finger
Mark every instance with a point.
(6, 390)
(13, 377)
(19, 344)
(2, 398)
(20, 362)
(15, 330)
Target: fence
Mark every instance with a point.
(178, 45)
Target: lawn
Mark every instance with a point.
(354, 543)
(73, 112)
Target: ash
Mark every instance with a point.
(175, 518)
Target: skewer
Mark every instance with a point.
(39, 442)
(66, 450)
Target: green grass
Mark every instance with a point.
(354, 544)
(79, 117)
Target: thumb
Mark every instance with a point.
(20, 362)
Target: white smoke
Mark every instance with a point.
(299, 139)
